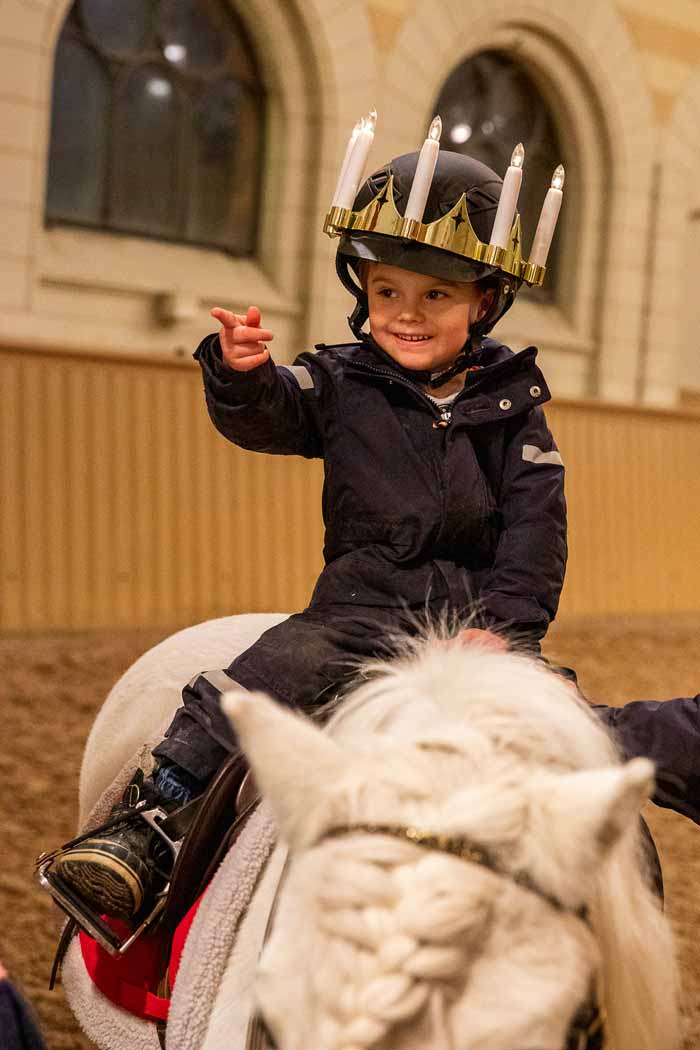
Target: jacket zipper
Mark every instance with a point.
(443, 414)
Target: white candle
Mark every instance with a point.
(348, 153)
(507, 203)
(548, 220)
(356, 163)
(423, 178)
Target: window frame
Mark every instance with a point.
(118, 71)
(548, 295)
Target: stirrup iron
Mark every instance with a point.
(82, 913)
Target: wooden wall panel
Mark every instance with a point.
(634, 506)
(122, 506)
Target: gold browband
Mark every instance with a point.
(453, 233)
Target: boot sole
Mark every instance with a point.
(105, 880)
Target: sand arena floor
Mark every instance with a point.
(52, 685)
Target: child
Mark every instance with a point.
(443, 487)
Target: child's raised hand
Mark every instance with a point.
(242, 339)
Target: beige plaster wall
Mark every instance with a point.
(648, 348)
(666, 38)
(85, 290)
(616, 74)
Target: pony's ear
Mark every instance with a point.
(297, 768)
(580, 816)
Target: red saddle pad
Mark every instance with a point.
(129, 981)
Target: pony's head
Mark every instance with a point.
(465, 867)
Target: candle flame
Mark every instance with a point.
(435, 130)
(558, 178)
(518, 158)
(371, 121)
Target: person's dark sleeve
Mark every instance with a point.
(18, 1028)
(269, 409)
(668, 733)
(521, 595)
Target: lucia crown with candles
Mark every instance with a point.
(474, 233)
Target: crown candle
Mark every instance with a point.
(548, 220)
(348, 153)
(423, 178)
(508, 200)
(355, 160)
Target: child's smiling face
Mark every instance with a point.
(421, 322)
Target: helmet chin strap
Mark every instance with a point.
(359, 317)
(460, 364)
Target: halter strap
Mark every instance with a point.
(460, 847)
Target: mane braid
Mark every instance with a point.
(463, 849)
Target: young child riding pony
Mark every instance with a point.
(444, 489)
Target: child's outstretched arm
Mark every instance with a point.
(251, 401)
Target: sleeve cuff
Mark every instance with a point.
(208, 354)
(518, 618)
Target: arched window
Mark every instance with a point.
(488, 104)
(157, 122)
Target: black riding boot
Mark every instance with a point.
(119, 871)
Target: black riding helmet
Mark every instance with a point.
(455, 174)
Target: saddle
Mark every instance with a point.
(208, 827)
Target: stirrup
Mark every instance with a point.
(82, 914)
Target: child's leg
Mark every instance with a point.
(300, 662)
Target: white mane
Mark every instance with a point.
(376, 937)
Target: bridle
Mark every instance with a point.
(587, 1026)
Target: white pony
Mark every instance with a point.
(465, 868)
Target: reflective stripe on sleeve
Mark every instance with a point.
(222, 682)
(533, 454)
(301, 374)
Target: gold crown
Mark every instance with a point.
(452, 233)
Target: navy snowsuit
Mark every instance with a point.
(427, 512)
(423, 516)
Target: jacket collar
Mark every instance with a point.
(461, 363)
(490, 357)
